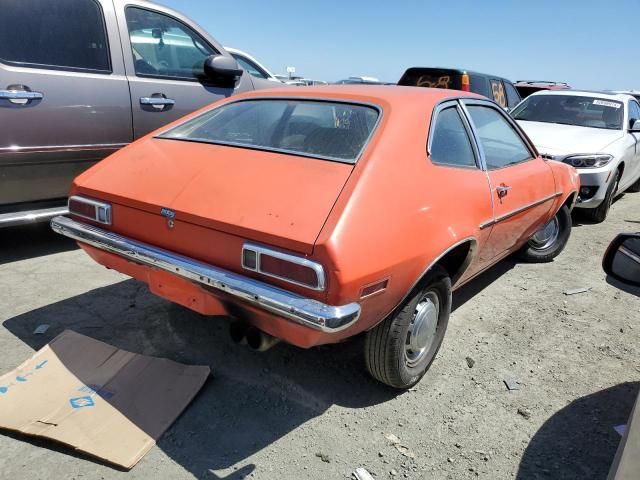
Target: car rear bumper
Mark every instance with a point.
(13, 219)
(304, 311)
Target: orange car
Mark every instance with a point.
(312, 215)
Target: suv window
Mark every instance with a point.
(634, 113)
(513, 97)
(253, 69)
(497, 90)
(60, 35)
(450, 143)
(164, 47)
(502, 145)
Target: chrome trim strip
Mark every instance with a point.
(61, 148)
(259, 250)
(31, 216)
(628, 253)
(97, 207)
(518, 210)
(304, 311)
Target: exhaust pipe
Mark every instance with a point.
(259, 340)
(238, 331)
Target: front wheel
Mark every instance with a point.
(599, 214)
(399, 351)
(547, 243)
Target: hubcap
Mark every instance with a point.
(546, 236)
(422, 330)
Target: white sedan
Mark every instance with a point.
(597, 133)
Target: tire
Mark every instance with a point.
(599, 214)
(635, 187)
(392, 352)
(547, 244)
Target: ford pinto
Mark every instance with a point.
(314, 215)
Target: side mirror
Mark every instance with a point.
(222, 70)
(635, 127)
(622, 259)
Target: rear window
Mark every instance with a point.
(432, 78)
(328, 130)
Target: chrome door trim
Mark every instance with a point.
(508, 215)
(61, 148)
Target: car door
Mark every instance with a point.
(522, 184)
(164, 58)
(457, 159)
(64, 99)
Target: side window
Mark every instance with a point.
(502, 145)
(513, 98)
(480, 85)
(58, 35)
(249, 66)
(164, 47)
(634, 113)
(450, 143)
(497, 90)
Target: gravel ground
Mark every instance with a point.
(295, 414)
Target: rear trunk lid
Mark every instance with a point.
(273, 198)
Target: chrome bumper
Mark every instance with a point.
(307, 312)
(31, 216)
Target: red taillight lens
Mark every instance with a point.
(289, 271)
(284, 266)
(87, 208)
(466, 85)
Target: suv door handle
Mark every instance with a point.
(502, 190)
(158, 101)
(20, 94)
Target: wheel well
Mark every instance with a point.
(570, 199)
(621, 168)
(456, 260)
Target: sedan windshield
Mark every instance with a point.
(581, 111)
(321, 129)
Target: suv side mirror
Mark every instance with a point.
(222, 70)
(635, 127)
(622, 259)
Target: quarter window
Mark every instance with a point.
(164, 47)
(59, 35)
(450, 143)
(513, 97)
(502, 145)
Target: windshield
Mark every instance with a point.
(330, 130)
(582, 111)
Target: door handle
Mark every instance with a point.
(502, 190)
(20, 94)
(158, 101)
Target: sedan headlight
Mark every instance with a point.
(588, 161)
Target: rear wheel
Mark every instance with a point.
(599, 214)
(548, 242)
(399, 351)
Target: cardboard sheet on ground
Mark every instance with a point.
(96, 398)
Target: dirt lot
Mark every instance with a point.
(294, 414)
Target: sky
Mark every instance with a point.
(588, 44)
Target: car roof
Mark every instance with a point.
(364, 93)
(580, 93)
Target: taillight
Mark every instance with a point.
(283, 266)
(92, 209)
(466, 85)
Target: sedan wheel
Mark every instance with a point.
(422, 329)
(547, 243)
(546, 236)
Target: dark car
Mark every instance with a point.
(494, 87)
(527, 87)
